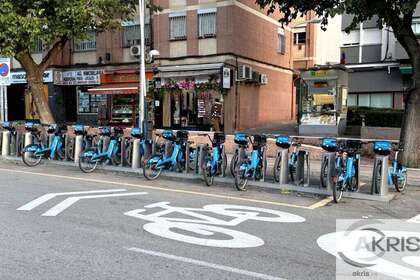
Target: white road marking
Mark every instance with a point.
(42, 199)
(72, 200)
(415, 219)
(206, 264)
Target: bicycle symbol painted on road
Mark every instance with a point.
(206, 230)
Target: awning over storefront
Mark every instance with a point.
(120, 88)
(178, 71)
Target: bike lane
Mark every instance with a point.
(103, 237)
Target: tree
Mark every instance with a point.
(397, 14)
(54, 22)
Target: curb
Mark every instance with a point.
(221, 180)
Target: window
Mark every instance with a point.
(375, 100)
(89, 103)
(352, 100)
(87, 44)
(299, 38)
(177, 27)
(37, 47)
(131, 35)
(207, 23)
(416, 26)
(281, 42)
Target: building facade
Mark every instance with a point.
(221, 51)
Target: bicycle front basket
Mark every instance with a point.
(382, 148)
(219, 138)
(168, 135)
(283, 142)
(79, 129)
(182, 135)
(52, 128)
(329, 144)
(136, 133)
(260, 140)
(104, 131)
(241, 138)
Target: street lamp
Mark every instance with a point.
(142, 86)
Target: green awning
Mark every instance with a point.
(406, 70)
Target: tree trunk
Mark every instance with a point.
(36, 87)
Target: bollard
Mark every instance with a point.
(330, 158)
(136, 155)
(383, 183)
(284, 166)
(201, 157)
(28, 139)
(5, 148)
(13, 142)
(78, 145)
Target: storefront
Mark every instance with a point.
(118, 92)
(73, 101)
(20, 101)
(190, 97)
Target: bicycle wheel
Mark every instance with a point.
(86, 164)
(277, 168)
(207, 174)
(224, 164)
(400, 181)
(29, 157)
(324, 174)
(377, 177)
(150, 169)
(233, 163)
(337, 185)
(240, 178)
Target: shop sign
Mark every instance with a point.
(4, 71)
(20, 77)
(319, 73)
(78, 77)
(226, 78)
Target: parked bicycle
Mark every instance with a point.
(87, 142)
(153, 167)
(347, 170)
(397, 173)
(330, 145)
(136, 134)
(102, 153)
(239, 150)
(33, 154)
(253, 167)
(297, 157)
(215, 161)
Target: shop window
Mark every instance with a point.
(416, 27)
(207, 24)
(131, 35)
(177, 27)
(281, 42)
(89, 103)
(87, 44)
(364, 100)
(352, 100)
(299, 38)
(381, 100)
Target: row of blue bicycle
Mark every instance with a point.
(111, 147)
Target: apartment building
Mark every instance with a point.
(221, 51)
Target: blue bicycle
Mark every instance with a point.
(284, 142)
(253, 167)
(91, 157)
(153, 167)
(136, 134)
(215, 162)
(397, 173)
(347, 170)
(330, 145)
(33, 154)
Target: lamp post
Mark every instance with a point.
(142, 86)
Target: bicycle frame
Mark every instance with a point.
(396, 170)
(252, 165)
(109, 153)
(56, 144)
(168, 161)
(350, 170)
(215, 158)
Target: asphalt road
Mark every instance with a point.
(104, 234)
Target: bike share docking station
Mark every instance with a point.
(380, 182)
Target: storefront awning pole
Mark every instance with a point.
(142, 86)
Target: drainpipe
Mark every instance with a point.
(236, 121)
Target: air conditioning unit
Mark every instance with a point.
(263, 79)
(135, 50)
(255, 76)
(244, 73)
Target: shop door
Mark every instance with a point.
(70, 104)
(16, 102)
